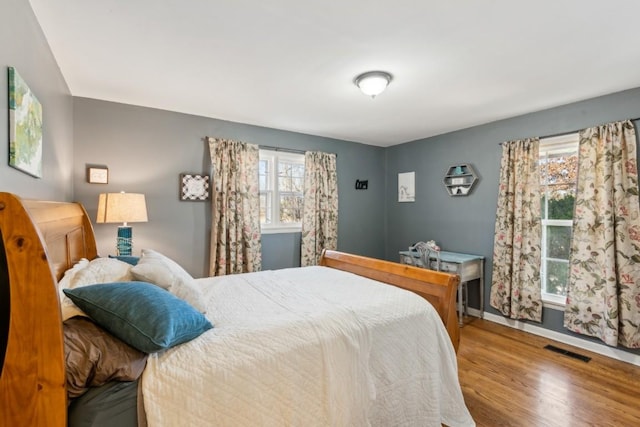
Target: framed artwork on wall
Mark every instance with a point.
(25, 127)
(97, 175)
(194, 187)
(407, 187)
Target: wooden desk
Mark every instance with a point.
(468, 267)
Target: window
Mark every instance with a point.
(281, 176)
(558, 175)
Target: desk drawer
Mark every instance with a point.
(467, 271)
(447, 267)
(409, 260)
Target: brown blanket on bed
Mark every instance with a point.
(94, 357)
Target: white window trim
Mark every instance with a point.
(276, 229)
(558, 144)
(550, 146)
(554, 302)
(275, 156)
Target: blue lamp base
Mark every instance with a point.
(124, 242)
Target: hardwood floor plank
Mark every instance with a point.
(509, 379)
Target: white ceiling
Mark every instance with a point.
(290, 64)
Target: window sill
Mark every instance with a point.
(280, 230)
(553, 305)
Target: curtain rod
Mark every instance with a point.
(267, 147)
(570, 132)
(285, 150)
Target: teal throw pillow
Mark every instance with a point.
(141, 314)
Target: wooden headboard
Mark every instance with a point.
(39, 242)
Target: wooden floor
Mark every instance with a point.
(509, 379)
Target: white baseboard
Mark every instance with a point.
(474, 312)
(602, 349)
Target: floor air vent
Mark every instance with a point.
(567, 353)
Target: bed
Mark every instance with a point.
(358, 370)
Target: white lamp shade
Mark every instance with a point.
(373, 83)
(121, 207)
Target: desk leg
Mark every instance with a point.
(460, 305)
(482, 288)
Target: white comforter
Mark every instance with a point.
(305, 347)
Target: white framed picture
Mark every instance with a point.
(407, 187)
(194, 187)
(97, 175)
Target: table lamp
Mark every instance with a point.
(122, 207)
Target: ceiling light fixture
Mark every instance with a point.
(373, 83)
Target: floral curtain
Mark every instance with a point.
(235, 204)
(515, 287)
(603, 295)
(320, 211)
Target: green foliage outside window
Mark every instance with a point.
(561, 208)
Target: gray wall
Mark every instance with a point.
(281, 250)
(466, 224)
(146, 149)
(23, 46)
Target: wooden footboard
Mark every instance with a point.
(436, 287)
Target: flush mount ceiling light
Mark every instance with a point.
(373, 83)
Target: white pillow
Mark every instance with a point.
(99, 270)
(153, 267)
(67, 307)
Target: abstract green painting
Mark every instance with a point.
(25, 127)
